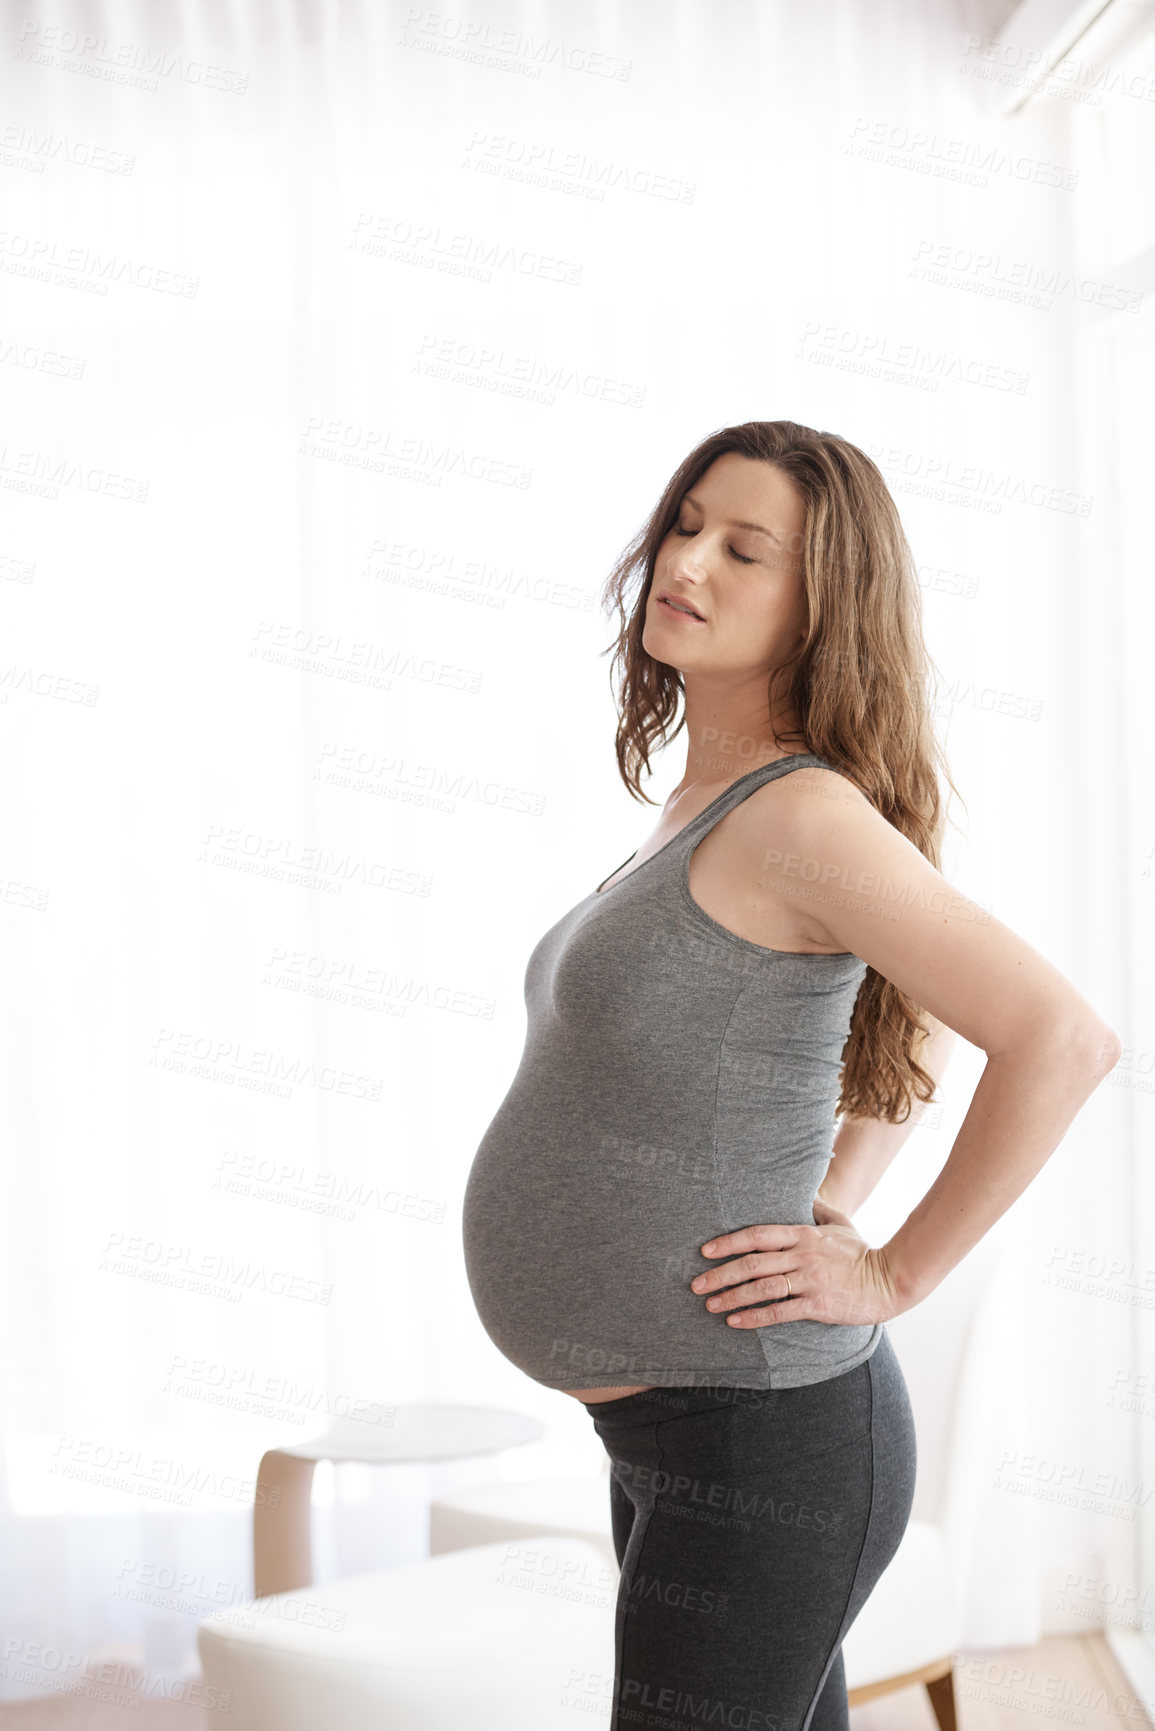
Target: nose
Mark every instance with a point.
(687, 561)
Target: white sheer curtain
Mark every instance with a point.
(343, 348)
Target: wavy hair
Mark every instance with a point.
(861, 687)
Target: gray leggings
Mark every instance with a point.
(751, 1526)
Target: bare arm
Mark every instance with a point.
(865, 1147)
(1026, 1097)
(1046, 1047)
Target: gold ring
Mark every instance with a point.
(788, 1292)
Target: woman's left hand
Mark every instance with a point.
(834, 1275)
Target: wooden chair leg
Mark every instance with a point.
(282, 1541)
(941, 1693)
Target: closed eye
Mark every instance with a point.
(741, 557)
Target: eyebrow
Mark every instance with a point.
(689, 499)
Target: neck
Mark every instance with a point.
(723, 742)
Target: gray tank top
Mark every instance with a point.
(677, 1082)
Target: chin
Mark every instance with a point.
(660, 645)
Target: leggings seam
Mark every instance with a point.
(857, 1563)
(644, 1515)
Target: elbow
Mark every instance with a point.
(1105, 1049)
(1081, 1043)
(1093, 1046)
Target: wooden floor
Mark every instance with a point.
(1067, 1679)
(1071, 1680)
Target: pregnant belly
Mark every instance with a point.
(573, 1270)
(580, 1263)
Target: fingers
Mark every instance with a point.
(753, 1238)
(829, 1272)
(774, 1286)
(766, 1315)
(755, 1262)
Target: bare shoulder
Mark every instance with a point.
(801, 788)
(813, 802)
(808, 833)
(822, 843)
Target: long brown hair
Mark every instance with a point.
(860, 686)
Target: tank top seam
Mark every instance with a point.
(716, 1373)
(667, 847)
(723, 1210)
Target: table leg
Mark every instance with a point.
(282, 1541)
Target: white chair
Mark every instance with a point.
(517, 1635)
(483, 1514)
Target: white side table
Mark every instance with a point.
(282, 1540)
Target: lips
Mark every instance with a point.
(677, 605)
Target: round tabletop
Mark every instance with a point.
(430, 1432)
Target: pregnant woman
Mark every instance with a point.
(658, 1218)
